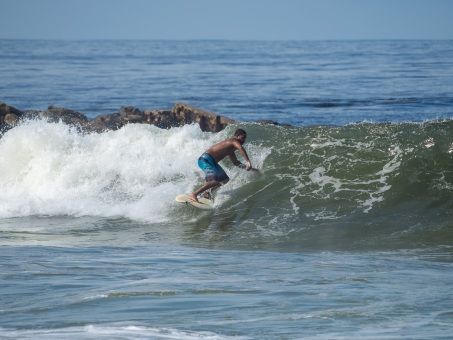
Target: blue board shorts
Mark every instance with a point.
(211, 168)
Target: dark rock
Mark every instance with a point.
(9, 117)
(180, 115)
(55, 114)
(270, 122)
(130, 111)
(132, 119)
(105, 122)
(164, 119)
(31, 114)
(183, 114)
(186, 114)
(267, 122)
(5, 109)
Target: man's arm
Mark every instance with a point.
(234, 159)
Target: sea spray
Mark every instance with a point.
(134, 172)
(52, 169)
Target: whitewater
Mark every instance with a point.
(346, 231)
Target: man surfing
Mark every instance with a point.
(208, 162)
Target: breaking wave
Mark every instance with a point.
(359, 185)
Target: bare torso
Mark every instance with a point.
(226, 148)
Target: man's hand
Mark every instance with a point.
(247, 167)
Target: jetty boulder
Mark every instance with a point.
(105, 122)
(9, 117)
(207, 121)
(55, 114)
(181, 114)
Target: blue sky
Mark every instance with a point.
(227, 19)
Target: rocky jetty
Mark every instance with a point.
(180, 115)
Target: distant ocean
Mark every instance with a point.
(345, 233)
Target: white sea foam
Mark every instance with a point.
(51, 169)
(134, 172)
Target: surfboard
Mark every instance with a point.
(204, 203)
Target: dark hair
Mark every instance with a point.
(240, 132)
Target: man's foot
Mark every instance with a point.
(193, 198)
(207, 194)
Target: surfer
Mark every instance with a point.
(208, 162)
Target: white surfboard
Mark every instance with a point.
(203, 203)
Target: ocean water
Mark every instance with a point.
(346, 232)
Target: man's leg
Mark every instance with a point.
(204, 187)
(213, 185)
(225, 181)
